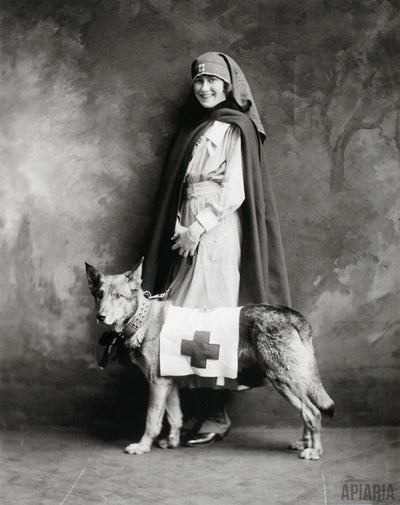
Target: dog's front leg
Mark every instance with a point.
(174, 416)
(159, 391)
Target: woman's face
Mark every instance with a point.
(209, 90)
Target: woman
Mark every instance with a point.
(216, 240)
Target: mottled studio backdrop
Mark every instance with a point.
(89, 95)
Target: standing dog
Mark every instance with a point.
(275, 338)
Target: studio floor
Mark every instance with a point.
(252, 466)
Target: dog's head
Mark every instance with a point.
(116, 296)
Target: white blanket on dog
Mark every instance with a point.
(201, 342)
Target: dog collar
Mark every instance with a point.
(133, 328)
(114, 343)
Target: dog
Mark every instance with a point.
(276, 338)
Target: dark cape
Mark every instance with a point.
(263, 276)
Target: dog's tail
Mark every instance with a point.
(320, 397)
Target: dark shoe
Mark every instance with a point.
(242, 387)
(186, 435)
(201, 439)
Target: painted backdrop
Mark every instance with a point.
(89, 95)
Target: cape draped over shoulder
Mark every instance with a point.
(263, 276)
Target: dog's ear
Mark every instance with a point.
(93, 276)
(135, 275)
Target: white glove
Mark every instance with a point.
(187, 239)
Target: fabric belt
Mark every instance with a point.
(199, 189)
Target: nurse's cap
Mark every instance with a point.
(211, 64)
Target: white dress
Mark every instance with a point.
(212, 194)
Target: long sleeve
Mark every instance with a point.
(220, 161)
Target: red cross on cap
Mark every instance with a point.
(202, 67)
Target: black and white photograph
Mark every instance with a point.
(200, 252)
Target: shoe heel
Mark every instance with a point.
(221, 436)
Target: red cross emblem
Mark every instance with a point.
(199, 349)
(202, 67)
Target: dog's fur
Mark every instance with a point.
(275, 338)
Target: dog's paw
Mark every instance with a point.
(299, 445)
(174, 439)
(310, 454)
(172, 442)
(136, 449)
(162, 443)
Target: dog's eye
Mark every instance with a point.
(117, 295)
(100, 295)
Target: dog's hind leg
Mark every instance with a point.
(311, 417)
(304, 442)
(159, 391)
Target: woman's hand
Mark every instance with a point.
(187, 239)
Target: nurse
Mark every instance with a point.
(216, 239)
